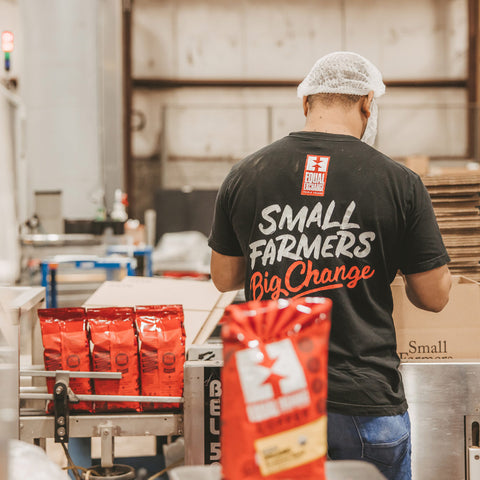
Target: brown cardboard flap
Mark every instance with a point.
(463, 308)
(453, 333)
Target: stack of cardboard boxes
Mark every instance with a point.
(456, 201)
(454, 333)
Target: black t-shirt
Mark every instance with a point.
(317, 214)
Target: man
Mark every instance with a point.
(321, 212)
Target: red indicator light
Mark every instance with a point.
(7, 41)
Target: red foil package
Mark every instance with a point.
(161, 339)
(65, 342)
(114, 349)
(274, 389)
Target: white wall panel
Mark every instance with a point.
(419, 121)
(286, 119)
(198, 175)
(225, 39)
(410, 39)
(210, 39)
(154, 39)
(283, 38)
(204, 131)
(227, 121)
(456, 46)
(258, 128)
(150, 104)
(223, 124)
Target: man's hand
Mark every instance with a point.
(228, 273)
(429, 290)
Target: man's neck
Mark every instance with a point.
(335, 121)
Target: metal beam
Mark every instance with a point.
(157, 83)
(473, 80)
(127, 106)
(134, 424)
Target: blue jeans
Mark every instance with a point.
(383, 441)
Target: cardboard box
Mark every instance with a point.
(418, 163)
(452, 334)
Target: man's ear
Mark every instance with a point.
(366, 103)
(305, 105)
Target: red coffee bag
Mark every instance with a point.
(161, 339)
(65, 342)
(114, 348)
(274, 389)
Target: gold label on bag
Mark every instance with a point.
(292, 448)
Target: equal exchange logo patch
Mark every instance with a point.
(273, 380)
(315, 175)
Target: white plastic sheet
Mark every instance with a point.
(27, 461)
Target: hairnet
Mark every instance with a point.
(346, 73)
(342, 72)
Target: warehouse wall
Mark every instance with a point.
(9, 250)
(193, 135)
(281, 38)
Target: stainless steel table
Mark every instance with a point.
(335, 470)
(444, 407)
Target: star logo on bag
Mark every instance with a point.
(274, 378)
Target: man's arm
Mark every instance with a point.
(429, 290)
(228, 273)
